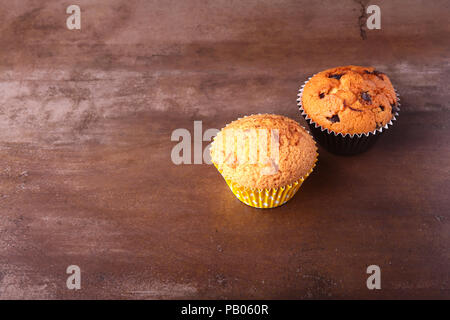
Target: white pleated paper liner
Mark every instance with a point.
(344, 144)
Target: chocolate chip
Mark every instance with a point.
(321, 95)
(335, 76)
(355, 109)
(381, 107)
(334, 119)
(379, 74)
(365, 96)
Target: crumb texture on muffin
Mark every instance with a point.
(350, 99)
(295, 158)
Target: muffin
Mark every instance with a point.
(348, 107)
(264, 158)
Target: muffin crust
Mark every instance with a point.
(297, 152)
(350, 99)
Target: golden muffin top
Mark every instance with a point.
(350, 99)
(264, 151)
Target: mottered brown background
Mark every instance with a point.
(86, 176)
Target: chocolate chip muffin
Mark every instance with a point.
(348, 108)
(350, 99)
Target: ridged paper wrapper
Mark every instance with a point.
(266, 198)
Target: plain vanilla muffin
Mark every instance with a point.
(264, 158)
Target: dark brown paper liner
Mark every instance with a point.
(344, 144)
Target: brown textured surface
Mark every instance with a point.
(350, 99)
(238, 154)
(85, 170)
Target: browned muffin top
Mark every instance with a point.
(238, 153)
(350, 99)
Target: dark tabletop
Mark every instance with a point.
(86, 176)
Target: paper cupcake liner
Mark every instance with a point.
(339, 143)
(266, 198)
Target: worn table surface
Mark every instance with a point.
(86, 176)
